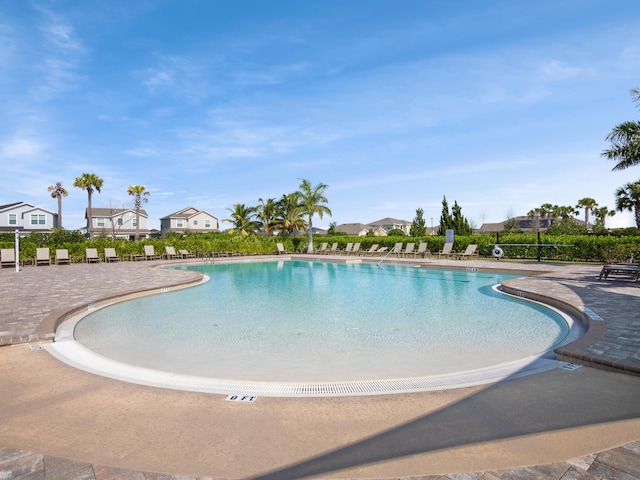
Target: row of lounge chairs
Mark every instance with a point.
(409, 250)
(627, 270)
(61, 257)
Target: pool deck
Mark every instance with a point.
(57, 422)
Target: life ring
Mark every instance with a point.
(498, 253)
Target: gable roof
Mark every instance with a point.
(389, 221)
(352, 228)
(9, 205)
(187, 213)
(112, 212)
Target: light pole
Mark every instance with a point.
(431, 225)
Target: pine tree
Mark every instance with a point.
(418, 226)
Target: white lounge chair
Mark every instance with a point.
(110, 255)
(7, 257)
(281, 249)
(186, 254)
(42, 256)
(470, 252)
(150, 253)
(409, 250)
(170, 253)
(423, 250)
(62, 256)
(371, 250)
(91, 255)
(446, 250)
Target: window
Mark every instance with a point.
(207, 224)
(195, 222)
(100, 221)
(179, 223)
(38, 219)
(134, 222)
(120, 222)
(13, 219)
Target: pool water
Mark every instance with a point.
(293, 321)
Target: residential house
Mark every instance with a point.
(389, 224)
(360, 229)
(26, 218)
(117, 223)
(189, 220)
(524, 224)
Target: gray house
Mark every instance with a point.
(117, 222)
(189, 220)
(26, 218)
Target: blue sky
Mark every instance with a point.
(501, 106)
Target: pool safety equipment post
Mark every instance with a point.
(17, 247)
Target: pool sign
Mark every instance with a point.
(241, 398)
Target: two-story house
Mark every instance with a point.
(117, 222)
(26, 218)
(389, 224)
(189, 220)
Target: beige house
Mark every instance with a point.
(360, 229)
(389, 224)
(26, 218)
(117, 222)
(189, 220)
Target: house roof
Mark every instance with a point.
(389, 221)
(9, 205)
(186, 213)
(352, 228)
(33, 207)
(110, 212)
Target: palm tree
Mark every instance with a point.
(588, 204)
(139, 193)
(601, 215)
(289, 218)
(89, 182)
(625, 141)
(58, 191)
(313, 201)
(267, 213)
(535, 215)
(628, 198)
(242, 218)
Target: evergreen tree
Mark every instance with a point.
(418, 226)
(461, 225)
(446, 220)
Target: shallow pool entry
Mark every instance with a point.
(322, 322)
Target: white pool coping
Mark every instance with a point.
(66, 349)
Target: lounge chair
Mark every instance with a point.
(281, 250)
(356, 249)
(347, 249)
(322, 249)
(470, 252)
(625, 269)
(446, 250)
(381, 251)
(170, 253)
(62, 256)
(42, 256)
(423, 250)
(371, 250)
(110, 255)
(150, 253)
(397, 249)
(334, 248)
(7, 257)
(91, 255)
(186, 254)
(409, 250)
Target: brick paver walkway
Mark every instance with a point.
(32, 300)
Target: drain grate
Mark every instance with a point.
(36, 347)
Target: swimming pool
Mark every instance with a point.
(320, 322)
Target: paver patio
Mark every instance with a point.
(59, 422)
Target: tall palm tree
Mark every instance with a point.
(242, 218)
(625, 141)
(58, 191)
(89, 182)
(588, 204)
(628, 198)
(289, 218)
(313, 202)
(601, 215)
(267, 212)
(139, 193)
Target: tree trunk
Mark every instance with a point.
(310, 236)
(137, 224)
(90, 220)
(59, 211)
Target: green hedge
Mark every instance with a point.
(573, 248)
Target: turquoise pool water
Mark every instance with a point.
(319, 321)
